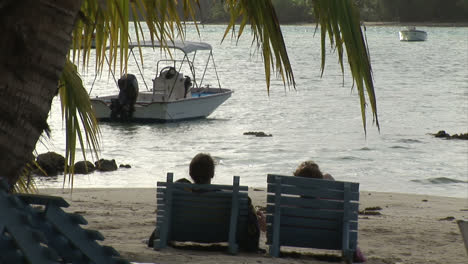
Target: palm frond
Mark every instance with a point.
(340, 19)
(77, 115)
(25, 183)
(266, 33)
(107, 21)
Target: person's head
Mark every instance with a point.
(183, 180)
(202, 168)
(308, 169)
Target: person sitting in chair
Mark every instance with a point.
(202, 170)
(310, 169)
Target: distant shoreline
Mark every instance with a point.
(418, 24)
(376, 23)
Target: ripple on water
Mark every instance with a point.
(365, 149)
(353, 158)
(409, 141)
(399, 147)
(439, 180)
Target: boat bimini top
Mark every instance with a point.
(185, 46)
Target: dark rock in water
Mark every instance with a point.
(106, 165)
(51, 163)
(84, 167)
(258, 134)
(443, 134)
(127, 166)
(461, 136)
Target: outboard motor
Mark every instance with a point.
(123, 107)
(187, 85)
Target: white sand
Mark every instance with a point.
(409, 229)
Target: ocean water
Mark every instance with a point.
(421, 87)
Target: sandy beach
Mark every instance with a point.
(407, 229)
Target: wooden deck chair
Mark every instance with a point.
(207, 213)
(312, 213)
(34, 229)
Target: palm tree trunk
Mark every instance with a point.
(36, 37)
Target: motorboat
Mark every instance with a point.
(412, 34)
(173, 96)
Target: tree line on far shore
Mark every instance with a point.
(301, 11)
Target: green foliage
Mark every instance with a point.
(414, 10)
(340, 19)
(301, 11)
(294, 11)
(264, 24)
(216, 13)
(78, 116)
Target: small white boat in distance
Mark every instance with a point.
(173, 97)
(412, 34)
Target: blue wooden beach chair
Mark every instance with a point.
(207, 213)
(312, 213)
(35, 230)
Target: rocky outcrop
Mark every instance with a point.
(51, 164)
(84, 167)
(106, 165)
(443, 134)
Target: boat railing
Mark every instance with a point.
(206, 67)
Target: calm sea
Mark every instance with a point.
(422, 87)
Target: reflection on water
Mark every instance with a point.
(421, 88)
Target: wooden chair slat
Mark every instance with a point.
(214, 187)
(312, 203)
(311, 212)
(316, 223)
(323, 193)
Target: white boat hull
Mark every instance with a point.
(198, 106)
(413, 35)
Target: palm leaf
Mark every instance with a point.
(77, 115)
(25, 183)
(108, 22)
(266, 33)
(340, 19)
